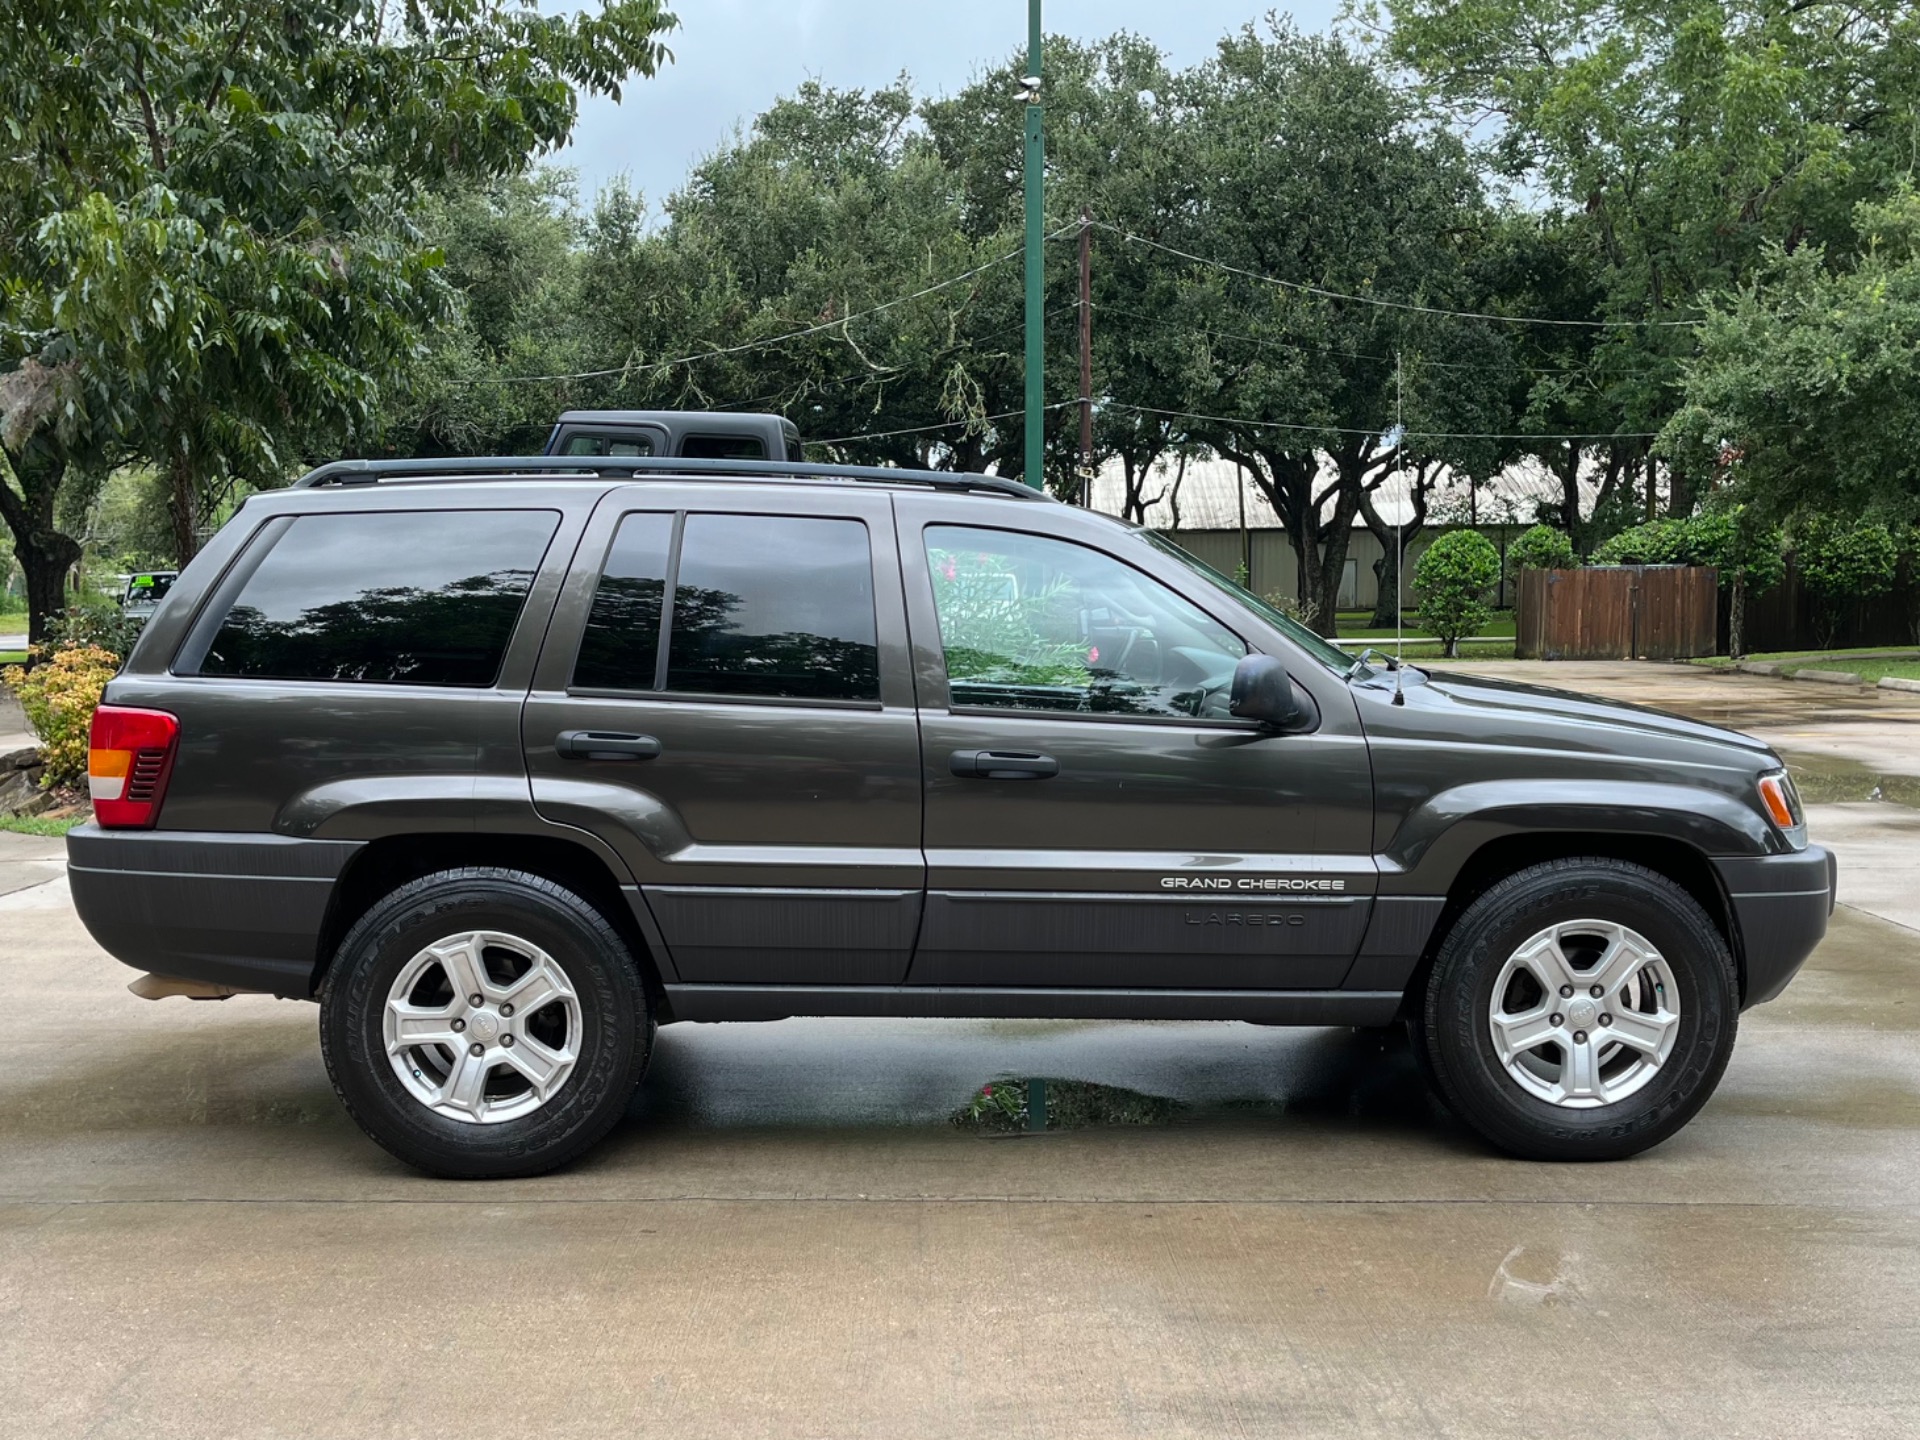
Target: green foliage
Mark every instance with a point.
(1541, 548)
(1728, 537)
(99, 624)
(1842, 563)
(210, 257)
(993, 632)
(1451, 579)
(1807, 385)
(59, 695)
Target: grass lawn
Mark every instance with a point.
(1420, 645)
(13, 657)
(36, 825)
(1869, 664)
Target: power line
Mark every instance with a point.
(1265, 341)
(1376, 300)
(946, 425)
(1349, 430)
(769, 340)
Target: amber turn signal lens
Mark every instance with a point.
(1776, 792)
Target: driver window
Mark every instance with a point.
(1029, 623)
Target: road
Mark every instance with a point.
(788, 1238)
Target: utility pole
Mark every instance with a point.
(1086, 357)
(1036, 208)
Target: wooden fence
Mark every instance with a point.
(1617, 612)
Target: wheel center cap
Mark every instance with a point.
(484, 1026)
(1581, 1013)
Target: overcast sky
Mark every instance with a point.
(732, 58)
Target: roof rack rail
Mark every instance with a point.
(559, 467)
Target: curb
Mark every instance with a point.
(1899, 682)
(1828, 677)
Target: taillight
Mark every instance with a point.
(129, 759)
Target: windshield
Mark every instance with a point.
(1327, 653)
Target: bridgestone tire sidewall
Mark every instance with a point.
(616, 1028)
(1458, 1033)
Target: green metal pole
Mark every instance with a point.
(1036, 195)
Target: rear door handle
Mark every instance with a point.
(1003, 765)
(605, 745)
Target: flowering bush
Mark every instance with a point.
(60, 694)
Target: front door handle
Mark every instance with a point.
(605, 745)
(1003, 765)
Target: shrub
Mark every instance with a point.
(60, 694)
(1541, 548)
(1451, 580)
(1658, 542)
(97, 623)
(1841, 563)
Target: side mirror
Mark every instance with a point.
(1263, 691)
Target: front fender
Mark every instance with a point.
(1437, 838)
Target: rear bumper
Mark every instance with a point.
(240, 910)
(1780, 909)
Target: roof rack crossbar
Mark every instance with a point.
(534, 467)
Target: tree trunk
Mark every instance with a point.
(45, 560)
(45, 555)
(1737, 617)
(183, 510)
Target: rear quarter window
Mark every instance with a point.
(393, 597)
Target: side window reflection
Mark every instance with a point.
(1029, 623)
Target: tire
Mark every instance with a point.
(585, 1024)
(1555, 1101)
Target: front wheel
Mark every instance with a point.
(484, 1023)
(1580, 1010)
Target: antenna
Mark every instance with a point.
(1399, 514)
(1399, 521)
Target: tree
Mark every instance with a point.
(1807, 384)
(208, 258)
(1680, 145)
(1541, 548)
(1842, 564)
(1452, 580)
(1313, 170)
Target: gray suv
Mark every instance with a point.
(505, 762)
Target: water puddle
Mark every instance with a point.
(1829, 780)
(1010, 1105)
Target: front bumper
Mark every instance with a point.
(233, 909)
(1780, 909)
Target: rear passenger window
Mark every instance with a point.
(400, 597)
(762, 605)
(774, 605)
(621, 647)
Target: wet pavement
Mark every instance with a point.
(1228, 1230)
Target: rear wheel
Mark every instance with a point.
(1580, 1010)
(484, 1023)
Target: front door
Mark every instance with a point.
(1094, 817)
(726, 699)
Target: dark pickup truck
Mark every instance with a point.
(506, 761)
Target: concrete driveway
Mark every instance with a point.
(788, 1238)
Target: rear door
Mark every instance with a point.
(1094, 817)
(726, 698)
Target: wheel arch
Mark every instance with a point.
(1495, 859)
(383, 865)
